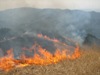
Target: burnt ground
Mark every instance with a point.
(27, 40)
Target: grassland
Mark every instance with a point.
(87, 64)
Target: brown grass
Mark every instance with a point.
(87, 64)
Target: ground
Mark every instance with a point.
(87, 64)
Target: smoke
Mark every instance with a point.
(72, 24)
(19, 28)
(1, 53)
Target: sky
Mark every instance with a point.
(89, 5)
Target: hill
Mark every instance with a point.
(75, 24)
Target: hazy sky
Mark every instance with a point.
(93, 5)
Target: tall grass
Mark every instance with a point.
(87, 64)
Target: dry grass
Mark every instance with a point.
(87, 64)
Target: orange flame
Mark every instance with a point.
(43, 57)
(54, 39)
(47, 38)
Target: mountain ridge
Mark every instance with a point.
(72, 23)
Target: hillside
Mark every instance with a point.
(52, 29)
(71, 23)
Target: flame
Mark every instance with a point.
(47, 38)
(54, 39)
(41, 56)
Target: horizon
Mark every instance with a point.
(50, 9)
(85, 5)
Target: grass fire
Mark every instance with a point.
(36, 41)
(41, 56)
(66, 59)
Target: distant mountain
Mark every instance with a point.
(75, 24)
(48, 18)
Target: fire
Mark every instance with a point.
(47, 38)
(41, 56)
(54, 39)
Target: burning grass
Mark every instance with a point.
(41, 57)
(87, 64)
(84, 61)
